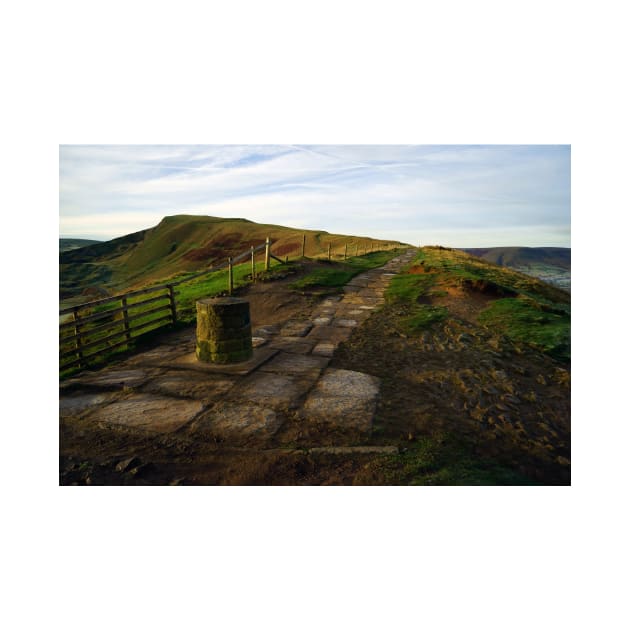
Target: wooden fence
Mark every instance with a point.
(103, 325)
(110, 323)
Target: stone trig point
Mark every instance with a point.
(224, 332)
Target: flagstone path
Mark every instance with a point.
(166, 389)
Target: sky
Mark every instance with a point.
(451, 195)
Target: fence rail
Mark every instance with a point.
(80, 341)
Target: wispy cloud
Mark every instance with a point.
(516, 194)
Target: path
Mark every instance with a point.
(166, 389)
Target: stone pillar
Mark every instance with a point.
(224, 331)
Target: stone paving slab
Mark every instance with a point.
(296, 328)
(288, 363)
(343, 399)
(296, 345)
(325, 349)
(334, 334)
(160, 414)
(235, 422)
(190, 362)
(278, 391)
(322, 321)
(187, 384)
(267, 331)
(345, 323)
(111, 379)
(352, 450)
(161, 353)
(370, 301)
(74, 405)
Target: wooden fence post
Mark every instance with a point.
(171, 299)
(356, 252)
(230, 276)
(253, 265)
(126, 319)
(329, 251)
(303, 244)
(345, 252)
(267, 253)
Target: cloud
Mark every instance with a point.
(390, 191)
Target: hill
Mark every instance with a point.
(181, 244)
(550, 264)
(66, 244)
(522, 256)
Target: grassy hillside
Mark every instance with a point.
(549, 264)
(67, 244)
(522, 308)
(181, 244)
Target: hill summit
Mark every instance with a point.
(180, 244)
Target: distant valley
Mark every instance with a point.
(550, 264)
(67, 244)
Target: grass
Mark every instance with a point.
(184, 243)
(211, 285)
(525, 320)
(423, 317)
(407, 288)
(337, 274)
(405, 291)
(456, 265)
(540, 314)
(445, 460)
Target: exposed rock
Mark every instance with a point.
(128, 464)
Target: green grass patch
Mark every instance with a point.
(337, 274)
(210, 285)
(444, 460)
(423, 316)
(457, 266)
(409, 287)
(524, 320)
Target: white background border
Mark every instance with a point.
(325, 72)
